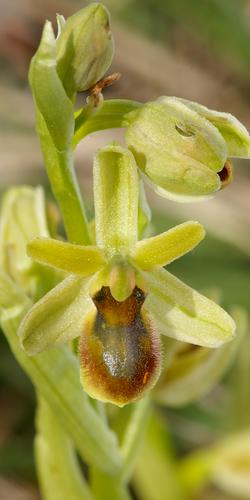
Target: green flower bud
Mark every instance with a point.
(182, 149)
(84, 48)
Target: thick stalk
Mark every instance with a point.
(155, 475)
(59, 473)
(60, 169)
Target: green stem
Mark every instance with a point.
(155, 475)
(59, 473)
(60, 169)
(105, 487)
(112, 114)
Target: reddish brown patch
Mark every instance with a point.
(226, 174)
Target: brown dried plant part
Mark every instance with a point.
(226, 174)
(107, 81)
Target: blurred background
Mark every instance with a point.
(195, 49)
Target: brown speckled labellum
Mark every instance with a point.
(120, 349)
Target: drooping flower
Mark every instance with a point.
(118, 299)
(182, 148)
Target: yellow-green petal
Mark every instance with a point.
(116, 200)
(77, 259)
(58, 317)
(183, 313)
(166, 247)
(235, 134)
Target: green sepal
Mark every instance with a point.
(84, 48)
(57, 317)
(116, 200)
(49, 94)
(233, 131)
(166, 247)
(184, 314)
(77, 259)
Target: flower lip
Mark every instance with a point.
(119, 347)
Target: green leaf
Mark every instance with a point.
(77, 259)
(116, 200)
(166, 247)
(55, 374)
(57, 317)
(184, 314)
(59, 473)
(49, 94)
(23, 216)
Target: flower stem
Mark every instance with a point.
(111, 114)
(64, 185)
(59, 473)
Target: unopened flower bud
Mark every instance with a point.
(182, 148)
(84, 48)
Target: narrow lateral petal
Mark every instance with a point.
(116, 199)
(77, 259)
(58, 317)
(183, 313)
(166, 247)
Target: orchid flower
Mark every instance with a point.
(117, 298)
